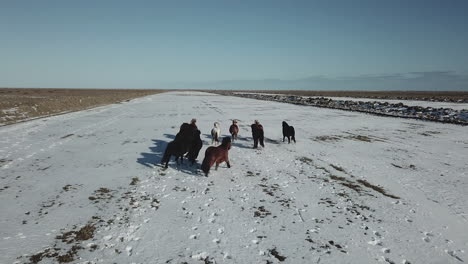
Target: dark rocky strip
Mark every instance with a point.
(444, 115)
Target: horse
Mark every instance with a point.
(186, 132)
(257, 134)
(215, 133)
(288, 131)
(183, 143)
(216, 155)
(174, 148)
(195, 147)
(234, 130)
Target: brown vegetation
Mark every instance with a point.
(20, 104)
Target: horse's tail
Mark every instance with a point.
(167, 153)
(293, 134)
(215, 134)
(205, 167)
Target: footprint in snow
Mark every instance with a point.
(375, 242)
(427, 237)
(452, 254)
(129, 250)
(385, 250)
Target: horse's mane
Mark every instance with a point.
(226, 142)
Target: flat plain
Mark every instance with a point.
(88, 187)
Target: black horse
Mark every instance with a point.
(186, 141)
(257, 134)
(174, 148)
(195, 147)
(288, 131)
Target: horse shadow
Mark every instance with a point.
(152, 158)
(169, 136)
(238, 144)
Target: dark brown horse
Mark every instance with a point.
(187, 140)
(197, 144)
(234, 130)
(288, 132)
(257, 134)
(216, 155)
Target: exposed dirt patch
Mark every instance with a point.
(270, 189)
(277, 255)
(349, 136)
(377, 189)
(411, 166)
(327, 138)
(69, 135)
(305, 160)
(338, 168)
(337, 178)
(251, 174)
(102, 194)
(70, 255)
(47, 253)
(85, 233)
(261, 212)
(352, 186)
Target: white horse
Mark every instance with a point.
(215, 134)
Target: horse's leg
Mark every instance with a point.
(283, 137)
(216, 166)
(289, 139)
(227, 163)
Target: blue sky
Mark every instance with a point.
(166, 44)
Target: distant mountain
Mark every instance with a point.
(414, 81)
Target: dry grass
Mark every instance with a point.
(17, 105)
(377, 189)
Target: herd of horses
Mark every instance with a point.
(188, 142)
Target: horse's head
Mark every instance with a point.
(226, 142)
(285, 124)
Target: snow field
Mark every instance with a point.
(355, 188)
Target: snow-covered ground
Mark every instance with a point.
(356, 188)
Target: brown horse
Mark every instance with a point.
(216, 155)
(234, 130)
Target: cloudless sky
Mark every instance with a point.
(148, 44)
